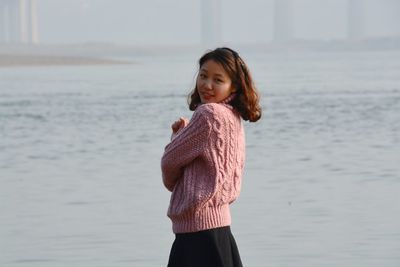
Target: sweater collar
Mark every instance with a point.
(228, 99)
(225, 101)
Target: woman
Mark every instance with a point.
(203, 164)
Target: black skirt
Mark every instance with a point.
(209, 248)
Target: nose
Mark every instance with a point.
(207, 84)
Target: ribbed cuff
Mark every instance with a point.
(206, 218)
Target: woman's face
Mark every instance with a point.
(213, 83)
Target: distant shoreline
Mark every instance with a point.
(9, 60)
(14, 55)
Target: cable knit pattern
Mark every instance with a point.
(202, 166)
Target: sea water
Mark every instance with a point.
(80, 148)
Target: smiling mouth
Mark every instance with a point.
(206, 96)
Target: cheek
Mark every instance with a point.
(198, 82)
(224, 89)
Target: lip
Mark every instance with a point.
(206, 95)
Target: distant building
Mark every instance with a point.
(211, 33)
(18, 21)
(356, 17)
(283, 20)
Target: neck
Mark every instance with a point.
(228, 99)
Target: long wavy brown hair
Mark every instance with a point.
(247, 98)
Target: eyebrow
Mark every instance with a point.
(216, 74)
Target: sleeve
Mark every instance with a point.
(185, 147)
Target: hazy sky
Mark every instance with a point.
(178, 21)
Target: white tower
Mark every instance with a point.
(4, 21)
(33, 35)
(13, 18)
(355, 13)
(18, 21)
(283, 20)
(210, 22)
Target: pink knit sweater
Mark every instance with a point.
(202, 166)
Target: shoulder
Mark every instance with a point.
(215, 117)
(213, 111)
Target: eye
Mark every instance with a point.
(219, 80)
(202, 76)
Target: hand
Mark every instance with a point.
(179, 124)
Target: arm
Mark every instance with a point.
(178, 125)
(185, 147)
